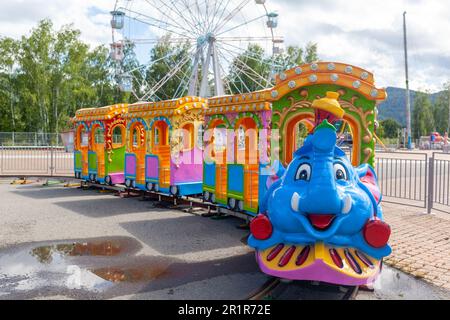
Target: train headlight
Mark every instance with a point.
(261, 227)
(377, 233)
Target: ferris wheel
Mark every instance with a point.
(216, 36)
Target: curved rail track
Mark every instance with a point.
(277, 289)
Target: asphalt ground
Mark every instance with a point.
(69, 243)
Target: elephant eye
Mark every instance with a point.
(303, 172)
(340, 172)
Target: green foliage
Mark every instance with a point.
(250, 71)
(389, 128)
(46, 76)
(295, 56)
(422, 116)
(49, 74)
(441, 111)
(167, 57)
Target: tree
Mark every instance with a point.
(8, 112)
(166, 57)
(250, 71)
(389, 128)
(295, 56)
(46, 76)
(441, 110)
(422, 119)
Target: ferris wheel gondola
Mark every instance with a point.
(216, 36)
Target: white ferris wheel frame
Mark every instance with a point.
(212, 41)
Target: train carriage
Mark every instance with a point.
(296, 89)
(164, 147)
(100, 144)
(233, 165)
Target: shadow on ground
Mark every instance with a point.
(107, 207)
(187, 234)
(40, 192)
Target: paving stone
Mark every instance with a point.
(421, 243)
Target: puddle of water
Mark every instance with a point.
(29, 267)
(396, 285)
(45, 254)
(137, 274)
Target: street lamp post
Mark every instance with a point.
(408, 99)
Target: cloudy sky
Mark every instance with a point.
(365, 33)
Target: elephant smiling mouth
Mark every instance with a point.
(321, 222)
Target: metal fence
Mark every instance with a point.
(415, 179)
(33, 153)
(403, 177)
(41, 161)
(439, 182)
(30, 139)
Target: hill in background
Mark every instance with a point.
(394, 106)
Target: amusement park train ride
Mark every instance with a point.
(314, 214)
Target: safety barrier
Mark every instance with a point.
(41, 161)
(413, 179)
(439, 182)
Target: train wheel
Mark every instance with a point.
(156, 187)
(232, 203)
(133, 184)
(240, 205)
(174, 190)
(149, 186)
(108, 180)
(213, 198)
(128, 183)
(206, 195)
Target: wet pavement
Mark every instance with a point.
(105, 268)
(102, 269)
(397, 285)
(50, 248)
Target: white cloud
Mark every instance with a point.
(365, 33)
(370, 34)
(18, 17)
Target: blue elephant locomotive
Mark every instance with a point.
(322, 220)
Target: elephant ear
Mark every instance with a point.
(368, 178)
